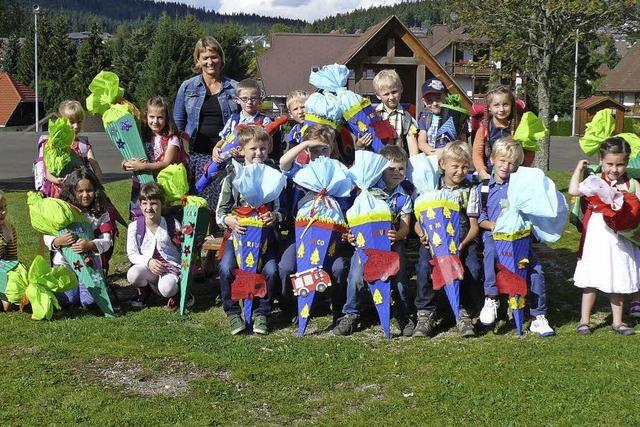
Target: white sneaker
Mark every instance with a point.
(541, 326)
(489, 311)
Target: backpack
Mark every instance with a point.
(141, 230)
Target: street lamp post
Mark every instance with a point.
(575, 90)
(36, 10)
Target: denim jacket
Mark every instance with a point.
(189, 100)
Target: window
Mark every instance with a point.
(480, 86)
(352, 74)
(314, 68)
(369, 74)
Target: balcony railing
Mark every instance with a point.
(470, 69)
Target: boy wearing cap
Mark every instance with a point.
(433, 93)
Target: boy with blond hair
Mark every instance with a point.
(506, 156)
(455, 163)
(295, 107)
(388, 88)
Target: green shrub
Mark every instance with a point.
(632, 124)
(560, 128)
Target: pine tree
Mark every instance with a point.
(11, 55)
(237, 55)
(57, 65)
(129, 58)
(26, 62)
(92, 57)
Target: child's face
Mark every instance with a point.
(296, 111)
(3, 211)
(614, 165)
(394, 174)
(210, 62)
(500, 106)
(255, 151)
(323, 150)
(84, 193)
(503, 167)
(151, 209)
(76, 125)
(432, 102)
(390, 97)
(156, 119)
(455, 170)
(249, 100)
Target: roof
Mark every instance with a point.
(292, 55)
(594, 101)
(287, 64)
(440, 38)
(12, 93)
(625, 77)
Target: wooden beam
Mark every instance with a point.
(434, 65)
(393, 60)
(391, 45)
(420, 72)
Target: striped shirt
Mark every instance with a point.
(396, 119)
(8, 242)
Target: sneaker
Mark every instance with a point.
(407, 326)
(540, 326)
(236, 324)
(260, 325)
(634, 309)
(346, 325)
(465, 327)
(172, 304)
(425, 324)
(191, 301)
(140, 300)
(489, 312)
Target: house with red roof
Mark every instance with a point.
(389, 44)
(623, 82)
(17, 102)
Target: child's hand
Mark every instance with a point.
(156, 267)
(209, 238)
(582, 165)
(350, 238)
(216, 155)
(82, 245)
(484, 175)
(137, 165)
(268, 217)
(67, 239)
(392, 235)
(233, 223)
(424, 240)
(311, 143)
(365, 140)
(58, 181)
(235, 152)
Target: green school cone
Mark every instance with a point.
(195, 220)
(5, 267)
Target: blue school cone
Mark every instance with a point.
(381, 294)
(453, 295)
(517, 309)
(305, 303)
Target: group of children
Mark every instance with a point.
(155, 254)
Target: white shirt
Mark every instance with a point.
(160, 241)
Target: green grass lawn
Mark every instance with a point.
(154, 368)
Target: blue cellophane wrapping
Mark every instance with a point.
(322, 108)
(258, 184)
(533, 202)
(424, 172)
(330, 77)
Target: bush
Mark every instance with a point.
(632, 124)
(560, 128)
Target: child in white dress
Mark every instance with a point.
(606, 261)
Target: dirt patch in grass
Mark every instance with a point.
(134, 379)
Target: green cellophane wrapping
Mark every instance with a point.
(58, 156)
(105, 90)
(195, 220)
(454, 102)
(38, 286)
(57, 217)
(530, 131)
(5, 267)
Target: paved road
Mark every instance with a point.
(18, 150)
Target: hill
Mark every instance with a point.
(130, 13)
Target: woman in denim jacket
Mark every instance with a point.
(203, 105)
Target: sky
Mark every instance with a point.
(308, 10)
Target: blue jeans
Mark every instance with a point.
(535, 277)
(79, 297)
(228, 264)
(339, 273)
(355, 283)
(470, 286)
